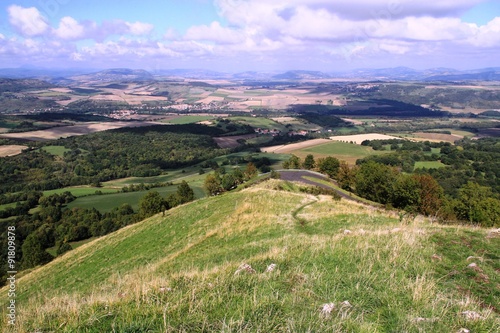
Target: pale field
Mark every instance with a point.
(11, 150)
(232, 141)
(438, 137)
(284, 119)
(61, 90)
(354, 121)
(66, 131)
(359, 138)
(284, 149)
(210, 99)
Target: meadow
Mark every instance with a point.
(348, 152)
(429, 165)
(304, 264)
(106, 202)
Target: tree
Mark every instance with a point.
(309, 162)
(294, 162)
(406, 194)
(212, 184)
(185, 193)
(63, 248)
(374, 181)
(476, 205)
(251, 171)
(228, 182)
(431, 194)
(329, 166)
(152, 203)
(34, 253)
(238, 175)
(346, 176)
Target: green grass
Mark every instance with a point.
(188, 119)
(177, 273)
(429, 165)
(342, 150)
(56, 150)
(260, 122)
(80, 191)
(9, 205)
(105, 203)
(74, 245)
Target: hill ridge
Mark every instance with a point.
(177, 272)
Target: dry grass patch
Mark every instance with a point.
(11, 150)
(359, 138)
(284, 149)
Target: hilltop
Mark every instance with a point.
(270, 258)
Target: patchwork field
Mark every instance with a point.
(285, 149)
(66, 131)
(359, 138)
(429, 165)
(437, 137)
(11, 150)
(232, 141)
(348, 152)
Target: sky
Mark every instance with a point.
(250, 35)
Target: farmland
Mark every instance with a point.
(343, 151)
(10, 150)
(75, 130)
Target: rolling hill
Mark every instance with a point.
(269, 258)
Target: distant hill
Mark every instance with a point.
(268, 259)
(19, 85)
(482, 76)
(117, 74)
(301, 75)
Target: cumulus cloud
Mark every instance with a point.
(214, 32)
(139, 28)
(69, 28)
(28, 21)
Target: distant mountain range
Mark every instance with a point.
(124, 74)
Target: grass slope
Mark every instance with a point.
(176, 273)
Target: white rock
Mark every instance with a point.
(327, 308)
(244, 268)
(271, 268)
(347, 232)
(472, 265)
(346, 304)
(463, 330)
(471, 315)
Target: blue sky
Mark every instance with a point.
(240, 35)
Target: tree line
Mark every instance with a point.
(415, 193)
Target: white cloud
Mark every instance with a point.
(69, 28)
(139, 28)
(28, 21)
(487, 35)
(214, 32)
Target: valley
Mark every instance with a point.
(142, 195)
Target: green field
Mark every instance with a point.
(9, 205)
(105, 203)
(188, 119)
(180, 272)
(56, 150)
(344, 151)
(260, 122)
(80, 191)
(455, 132)
(429, 165)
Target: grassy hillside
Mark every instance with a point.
(178, 272)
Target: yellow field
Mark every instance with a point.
(11, 150)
